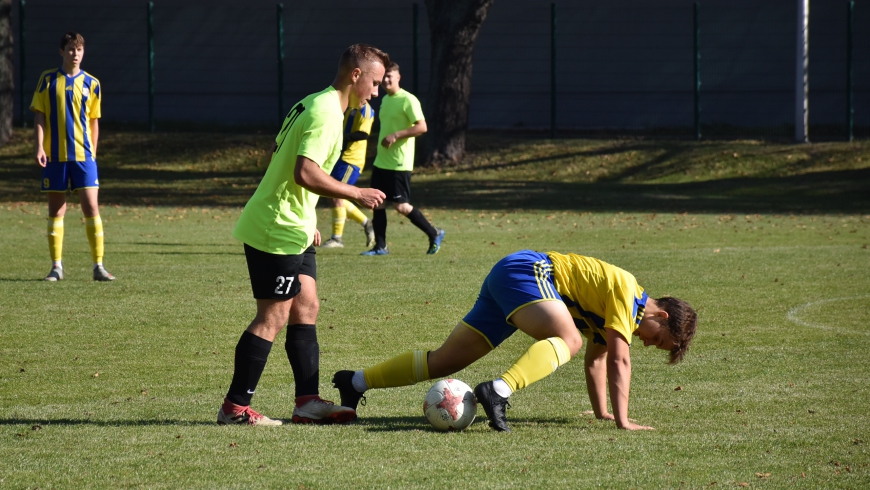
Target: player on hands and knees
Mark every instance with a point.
(555, 299)
(279, 230)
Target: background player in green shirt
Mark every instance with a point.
(401, 122)
(279, 230)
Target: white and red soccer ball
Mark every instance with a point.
(450, 405)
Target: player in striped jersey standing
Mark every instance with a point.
(66, 127)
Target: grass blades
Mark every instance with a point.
(107, 385)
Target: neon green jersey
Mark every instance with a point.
(600, 294)
(280, 217)
(398, 112)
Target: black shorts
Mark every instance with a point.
(396, 184)
(274, 276)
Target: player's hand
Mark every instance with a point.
(633, 426)
(604, 416)
(317, 238)
(370, 198)
(389, 140)
(40, 157)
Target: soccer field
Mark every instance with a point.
(107, 385)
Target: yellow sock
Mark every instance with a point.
(540, 361)
(94, 229)
(354, 213)
(403, 370)
(55, 238)
(338, 218)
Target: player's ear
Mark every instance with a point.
(355, 74)
(662, 314)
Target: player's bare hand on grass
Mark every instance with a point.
(633, 426)
(370, 198)
(603, 416)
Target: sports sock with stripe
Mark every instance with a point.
(403, 370)
(55, 238)
(538, 362)
(354, 213)
(339, 216)
(94, 228)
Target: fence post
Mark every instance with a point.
(553, 70)
(280, 31)
(150, 12)
(801, 87)
(21, 78)
(697, 108)
(415, 48)
(850, 101)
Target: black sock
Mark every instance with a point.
(303, 351)
(251, 355)
(421, 222)
(379, 223)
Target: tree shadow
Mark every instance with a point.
(104, 423)
(817, 193)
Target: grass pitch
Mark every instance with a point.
(117, 385)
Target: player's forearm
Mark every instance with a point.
(39, 130)
(416, 130)
(619, 381)
(596, 379)
(95, 136)
(310, 176)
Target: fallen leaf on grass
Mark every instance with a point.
(678, 388)
(743, 484)
(762, 475)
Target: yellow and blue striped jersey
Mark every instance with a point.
(69, 103)
(357, 121)
(598, 295)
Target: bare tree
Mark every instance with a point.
(453, 29)
(7, 86)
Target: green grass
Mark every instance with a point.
(116, 385)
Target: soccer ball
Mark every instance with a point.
(450, 405)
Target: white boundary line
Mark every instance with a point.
(795, 313)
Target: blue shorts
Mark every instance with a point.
(520, 279)
(345, 172)
(63, 176)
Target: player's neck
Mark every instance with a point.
(343, 94)
(71, 70)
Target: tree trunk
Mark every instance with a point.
(453, 29)
(7, 86)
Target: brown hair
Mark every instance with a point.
(393, 66)
(682, 321)
(72, 37)
(358, 54)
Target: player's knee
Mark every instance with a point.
(574, 341)
(403, 207)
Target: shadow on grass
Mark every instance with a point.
(845, 191)
(406, 424)
(104, 423)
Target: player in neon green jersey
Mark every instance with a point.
(553, 298)
(279, 230)
(357, 126)
(66, 127)
(401, 122)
